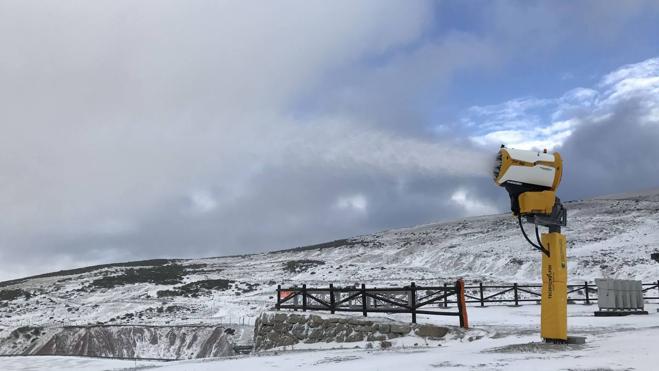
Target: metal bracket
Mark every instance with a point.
(553, 221)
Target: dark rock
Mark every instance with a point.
(288, 340)
(363, 328)
(279, 317)
(315, 321)
(376, 337)
(401, 329)
(355, 336)
(299, 331)
(431, 331)
(281, 327)
(315, 335)
(383, 328)
(296, 318)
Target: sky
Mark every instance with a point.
(150, 129)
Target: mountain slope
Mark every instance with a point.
(611, 236)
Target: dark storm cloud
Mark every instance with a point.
(612, 155)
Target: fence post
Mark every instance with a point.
(587, 297)
(445, 295)
(278, 306)
(304, 297)
(331, 298)
(658, 288)
(412, 300)
(364, 300)
(480, 286)
(462, 308)
(516, 297)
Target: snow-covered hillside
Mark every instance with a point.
(610, 236)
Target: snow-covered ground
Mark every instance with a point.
(55, 363)
(511, 342)
(611, 236)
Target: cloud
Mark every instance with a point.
(548, 122)
(202, 128)
(648, 69)
(386, 92)
(202, 202)
(208, 128)
(615, 146)
(607, 135)
(472, 205)
(613, 154)
(356, 203)
(517, 123)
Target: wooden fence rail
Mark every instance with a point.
(433, 300)
(408, 299)
(516, 294)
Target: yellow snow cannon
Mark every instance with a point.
(531, 179)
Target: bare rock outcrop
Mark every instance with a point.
(161, 342)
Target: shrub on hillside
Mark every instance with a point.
(194, 289)
(297, 266)
(9, 295)
(161, 275)
(27, 332)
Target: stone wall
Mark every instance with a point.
(278, 329)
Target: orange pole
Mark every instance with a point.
(462, 307)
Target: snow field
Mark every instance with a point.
(511, 342)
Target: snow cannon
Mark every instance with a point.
(531, 179)
(520, 171)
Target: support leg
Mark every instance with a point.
(553, 310)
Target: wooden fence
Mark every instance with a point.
(517, 294)
(432, 300)
(408, 299)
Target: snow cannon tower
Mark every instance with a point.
(531, 179)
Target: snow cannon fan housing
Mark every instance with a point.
(531, 179)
